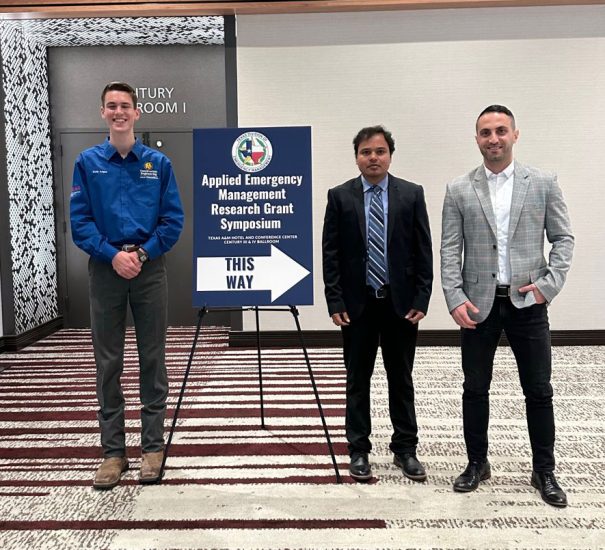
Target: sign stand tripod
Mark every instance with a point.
(294, 311)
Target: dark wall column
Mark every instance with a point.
(6, 276)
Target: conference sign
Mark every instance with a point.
(253, 241)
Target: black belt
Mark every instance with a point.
(380, 293)
(502, 291)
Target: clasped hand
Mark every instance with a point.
(126, 264)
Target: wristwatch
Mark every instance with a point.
(142, 254)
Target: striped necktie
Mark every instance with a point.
(376, 265)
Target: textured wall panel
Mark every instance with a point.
(133, 31)
(30, 183)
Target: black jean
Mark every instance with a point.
(380, 325)
(528, 333)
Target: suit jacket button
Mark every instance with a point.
(493, 275)
(494, 247)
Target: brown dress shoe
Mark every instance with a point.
(109, 473)
(150, 467)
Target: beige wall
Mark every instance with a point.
(426, 75)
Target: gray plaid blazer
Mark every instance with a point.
(469, 252)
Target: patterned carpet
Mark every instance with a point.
(230, 484)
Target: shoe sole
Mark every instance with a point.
(107, 486)
(150, 480)
(409, 476)
(414, 478)
(358, 477)
(484, 477)
(556, 504)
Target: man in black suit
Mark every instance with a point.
(378, 272)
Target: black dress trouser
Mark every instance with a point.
(528, 333)
(379, 325)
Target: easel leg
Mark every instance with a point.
(294, 312)
(201, 314)
(260, 371)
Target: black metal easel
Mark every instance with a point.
(292, 309)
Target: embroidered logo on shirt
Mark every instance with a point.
(147, 172)
(75, 190)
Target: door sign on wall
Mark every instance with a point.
(252, 240)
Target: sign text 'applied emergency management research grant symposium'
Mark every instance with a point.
(253, 242)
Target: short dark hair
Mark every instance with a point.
(119, 87)
(371, 131)
(497, 109)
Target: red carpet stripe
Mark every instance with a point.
(225, 449)
(196, 524)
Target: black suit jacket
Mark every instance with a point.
(409, 249)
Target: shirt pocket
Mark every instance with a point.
(147, 193)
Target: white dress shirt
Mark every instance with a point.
(501, 193)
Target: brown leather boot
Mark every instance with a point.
(109, 473)
(150, 467)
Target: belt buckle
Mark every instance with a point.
(380, 293)
(503, 291)
(130, 247)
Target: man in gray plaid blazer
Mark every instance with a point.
(495, 277)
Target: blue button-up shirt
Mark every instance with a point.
(367, 198)
(132, 200)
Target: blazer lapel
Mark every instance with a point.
(482, 190)
(394, 198)
(520, 185)
(359, 206)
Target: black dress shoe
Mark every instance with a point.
(550, 491)
(469, 480)
(359, 468)
(410, 466)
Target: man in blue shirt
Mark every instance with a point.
(126, 214)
